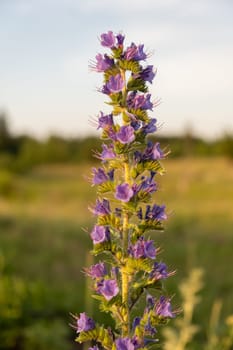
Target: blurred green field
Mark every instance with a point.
(44, 246)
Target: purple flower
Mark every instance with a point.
(105, 90)
(95, 347)
(107, 39)
(102, 63)
(147, 74)
(84, 323)
(134, 52)
(159, 271)
(136, 322)
(150, 301)
(156, 212)
(125, 134)
(124, 192)
(125, 344)
(150, 127)
(99, 176)
(152, 152)
(111, 174)
(105, 121)
(100, 234)
(97, 271)
(108, 288)
(149, 329)
(102, 208)
(115, 83)
(120, 39)
(107, 153)
(143, 249)
(149, 249)
(163, 307)
(139, 101)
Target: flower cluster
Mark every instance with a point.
(125, 208)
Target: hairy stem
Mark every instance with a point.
(125, 276)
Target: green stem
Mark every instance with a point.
(125, 275)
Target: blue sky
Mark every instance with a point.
(46, 45)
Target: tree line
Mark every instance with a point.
(19, 153)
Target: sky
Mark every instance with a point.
(46, 47)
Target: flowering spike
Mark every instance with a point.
(125, 208)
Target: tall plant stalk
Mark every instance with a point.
(125, 208)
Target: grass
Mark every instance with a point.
(44, 246)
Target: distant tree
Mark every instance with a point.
(5, 136)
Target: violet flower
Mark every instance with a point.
(139, 101)
(115, 84)
(100, 234)
(153, 151)
(101, 207)
(105, 121)
(107, 39)
(147, 74)
(155, 212)
(159, 271)
(163, 307)
(124, 192)
(102, 63)
(134, 52)
(108, 288)
(125, 134)
(150, 127)
(99, 176)
(125, 344)
(107, 152)
(143, 249)
(97, 271)
(95, 347)
(84, 323)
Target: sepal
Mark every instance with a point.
(137, 84)
(152, 225)
(110, 220)
(132, 66)
(107, 186)
(102, 247)
(135, 265)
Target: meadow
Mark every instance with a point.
(44, 245)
